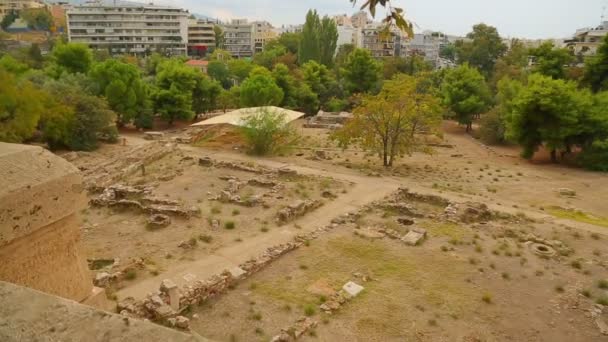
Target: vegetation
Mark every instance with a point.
(266, 132)
(465, 93)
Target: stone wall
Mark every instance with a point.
(41, 196)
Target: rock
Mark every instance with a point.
(321, 154)
(215, 224)
(182, 322)
(405, 221)
(287, 172)
(414, 237)
(154, 135)
(566, 192)
(330, 306)
(352, 289)
(102, 279)
(167, 285)
(328, 194)
(158, 221)
(369, 233)
(237, 273)
(205, 162)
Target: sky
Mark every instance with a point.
(514, 18)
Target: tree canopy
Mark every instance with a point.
(483, 50)
(465, 93)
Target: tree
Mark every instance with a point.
(13, 66)
(392, 122)
(483, 50)
(409, 65)
(320, 80)
(512, 65)
(122, 86)
(175, 84)
(260, 90)
(342, 55)
(218, 70)
(465, 93)
(20, 108)
(73, 57)
(448, 51)
(492, 130)
(219, 36)
(37, 18)
(8, 19)
(291, 41)
(361, 72)
(547, 111)
(205, 94)
(310, 45)
(240, 69)
(551, 61)
(394, 14)
(328, 41)
(596, 68)
(227, 99)
(267, 131)
(268, 58)
(286, 82)
(306, 99)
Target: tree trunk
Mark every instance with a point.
(385, 154)
(469, 127)
(553, 156)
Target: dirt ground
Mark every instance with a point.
(466, 282)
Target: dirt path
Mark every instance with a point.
(363, 191)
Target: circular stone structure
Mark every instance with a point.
(542, 249)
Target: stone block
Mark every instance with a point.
(352, 289)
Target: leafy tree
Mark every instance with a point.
(73, 57)
(448, 51)
(8, 19)
(240, 69)
(286, 82)
(291, 41)
(342, 55)
(361, 72)
(512, 65)
(551, 61)
(409, 65)
(392, 122)
(37, 18)
(309, 44)
(92, 118)
(205, 94)
(219, 36)
(546, 111)
(394, 14)
(220, 55)
(175, 84)
(465, 93)
(484, 49)
(320, 80)
(20, 108)
(260, 90)
(596, 68)
(268, 58)
(307, 100)
(218, 70)
(124, 89)
(9, 64)
(267, 132)
(328, 41)
(35, 58)
(228, 99)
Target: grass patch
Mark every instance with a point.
(450, 230)
(229, 225)
(579, 216)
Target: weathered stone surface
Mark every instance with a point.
(287, 172)
(102, 279)
(158, 221)
(297, 209)
(205, 162)
(237, 273)
(369, 233)
(182, 322)
(30, 315)
(566, 192)
(405, 221)
(414, 237)
(154, 135)
(352, 289)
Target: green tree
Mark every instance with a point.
(268, 58)
(37, 18)
(596, 68)
(483, 50)
(240, 69)
(342, 55)
(361, 72)
(409, 65)
(72, 57)
(393, 122)
(219, 36)
(328, 41)
(321, 81)
(448, 51)
(286, 82)
(8, 19)
(547, 111)
(9, 64)
(512, 65)
(291, 41)
(218, 70)
(260, 90)
(205, 94)
(175, 84)
(267, 132)
(20, 108)
(310, 49)
(124, 89)
(551, 61)
(465, 93)
(306, 99)
(394, 15)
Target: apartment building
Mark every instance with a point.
(586, 41)
(201, 37)
(360, 19)
(427, 44)
(381, 43)
(263, 33)
(7, 6)
(238, 38)
(129, 28)
(349, 35)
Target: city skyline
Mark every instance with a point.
(515, 18)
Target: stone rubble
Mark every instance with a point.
(297, 209)
(414, 237)
(297, 330)
(157, 221)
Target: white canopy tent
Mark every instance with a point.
(236, 118)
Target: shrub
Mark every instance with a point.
(267, 132)
(487, 298)
(595, 157)
(492, 128)
(229, 225)
(309, 310)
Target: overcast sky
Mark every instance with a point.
(513, 18)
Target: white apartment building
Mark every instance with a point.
(427, 44)
(263, 33)
(129, 28)
(7, 6)
(349, 35)
(586, 41)
(379, 43)
(201, 37)
(238, 38)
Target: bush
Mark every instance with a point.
(336, 105)
(267, 132)
(595, 157)
(492, 128)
